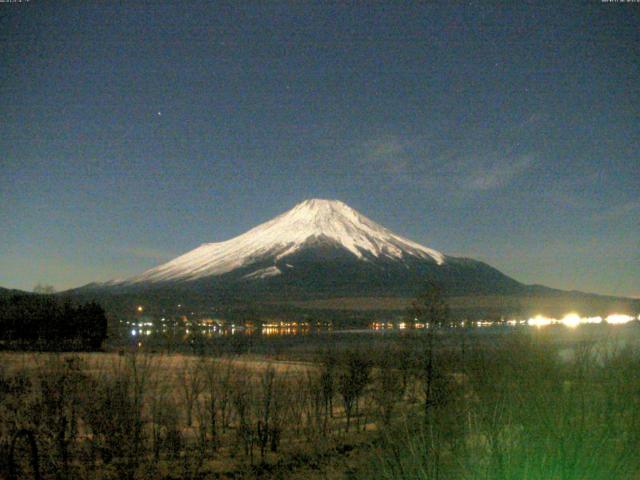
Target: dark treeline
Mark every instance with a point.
(44, 322)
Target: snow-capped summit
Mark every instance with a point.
(311, 221)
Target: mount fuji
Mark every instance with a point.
(318, 249)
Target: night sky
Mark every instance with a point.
(135, 131)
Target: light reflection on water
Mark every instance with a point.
(570, 320)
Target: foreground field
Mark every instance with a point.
(551, 404)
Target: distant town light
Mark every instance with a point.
(592, 320)
(133, 332)
(571, 320)
(540, 321)
(618, 319)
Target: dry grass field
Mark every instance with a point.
(526, 404)
(167, 365)
(191, 416)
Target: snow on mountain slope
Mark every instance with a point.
(286, 234)
(263, 273)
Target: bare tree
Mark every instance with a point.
(225, 391)
(352, 379)
(387, 391)
(316, 413)
(242, 398)
(327, 381)
(265, 406)
(113, 411)
(165, 434)
(213, 390)
(430, 307)
(191, 387)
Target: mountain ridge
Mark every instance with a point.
(319, 249)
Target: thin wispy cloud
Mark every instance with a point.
(498, 173)
(460, 170)
(386, 148)
(630, 209)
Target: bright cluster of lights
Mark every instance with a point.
(572, 320)
(540, 321)
(135, 332)
(618, 319)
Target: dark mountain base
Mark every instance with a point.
(323, 280)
